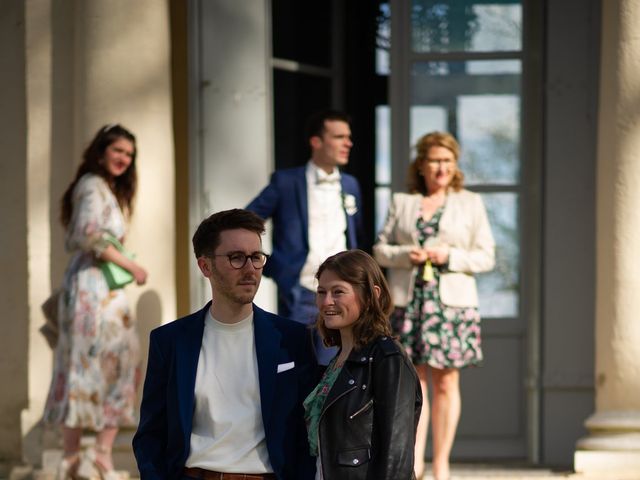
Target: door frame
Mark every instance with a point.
(529, 187)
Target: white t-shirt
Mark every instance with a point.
(228, 433)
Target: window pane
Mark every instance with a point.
(499, 289)
(489, 132)
(383, 39)
(483, 67)
(383, 144)
(482, 110)
(383, 198)
(425, 120)
(301, 37)
(466, 25)
(295, 96)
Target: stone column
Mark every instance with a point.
(13, 232)
(613, 444)
(123, 75)
(38, 61)
(88, 64)
(232, 156)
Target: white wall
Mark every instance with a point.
(231, 109)
(13, 230)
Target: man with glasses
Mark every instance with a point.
(224, 386)
(316, 213)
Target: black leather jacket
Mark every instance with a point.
(369, 419)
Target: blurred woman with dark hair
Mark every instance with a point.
(363, 414)
(96, 367)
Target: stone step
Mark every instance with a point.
(488, 471)
(122, 453)
(51, 458)
(46, 475)
(458, 472)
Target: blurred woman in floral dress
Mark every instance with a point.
(96, 366)
(434, 239)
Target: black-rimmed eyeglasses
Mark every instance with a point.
(238, 260)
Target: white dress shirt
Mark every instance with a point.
(327, 221)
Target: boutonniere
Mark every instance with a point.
(349, 204)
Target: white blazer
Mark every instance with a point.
(464, 227)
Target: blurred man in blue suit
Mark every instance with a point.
(224, 386)
(316, 212)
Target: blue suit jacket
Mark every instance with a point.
(162, 442)
(284, 200)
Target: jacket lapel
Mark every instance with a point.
(267, 341)
(188, 348)
(301, 194)
(343, 384)
(351, 227)
(346, 380)
(451, 222)
(411, 217)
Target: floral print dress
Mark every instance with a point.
(314, 403)
(96, 366)
(431, 332)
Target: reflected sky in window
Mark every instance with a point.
(498, 289)
(482, 109)
(383, 39)
(466, 26)
(489, 132)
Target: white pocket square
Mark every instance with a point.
(283, 367)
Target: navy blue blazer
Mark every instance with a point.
(162, 442)
(284, 200)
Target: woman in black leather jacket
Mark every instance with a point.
(363, 414)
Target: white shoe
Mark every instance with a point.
(91, 469)
(67, 468)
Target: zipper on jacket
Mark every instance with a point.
(369, 370)
(326, 406)
(324, 409)
(362, 409)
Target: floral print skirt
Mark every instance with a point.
(96, 367)
(435, 334)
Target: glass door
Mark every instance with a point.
(457, 66)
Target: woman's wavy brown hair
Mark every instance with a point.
(123, 187)
(415, 180)
(363, 273)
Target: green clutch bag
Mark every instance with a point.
(116, 276)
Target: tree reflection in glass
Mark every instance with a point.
(466, 26)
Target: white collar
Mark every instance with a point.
(320, 176)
